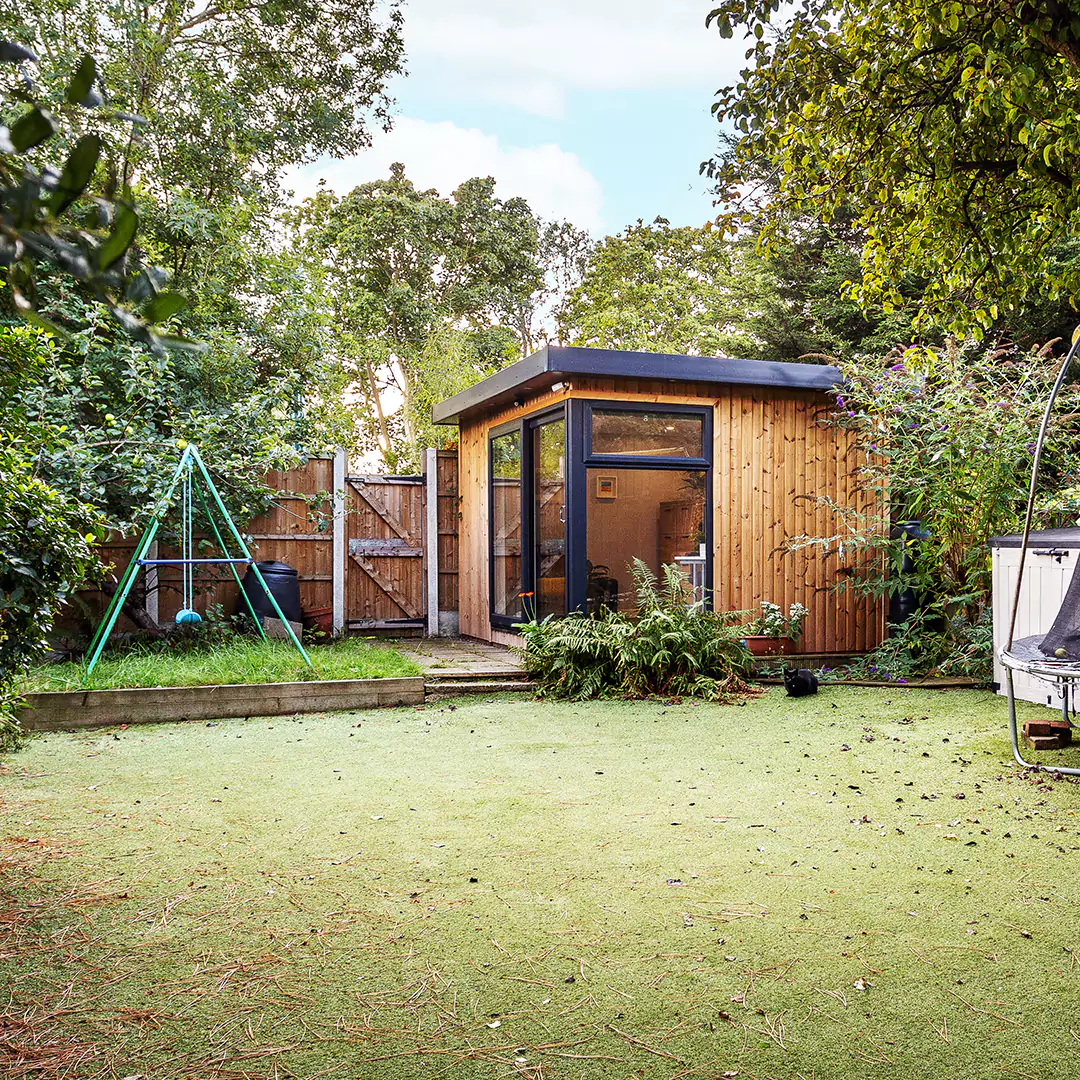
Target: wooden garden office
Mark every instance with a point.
(573, 461)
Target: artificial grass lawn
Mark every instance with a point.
(239, 660)
(857, 884)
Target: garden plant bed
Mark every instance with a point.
(233, 661)
(851, 884)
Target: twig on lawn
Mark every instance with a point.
(985, 1012)
(643, 1046)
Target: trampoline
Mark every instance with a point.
(1054, 656)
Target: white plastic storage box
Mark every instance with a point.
(1051, 558)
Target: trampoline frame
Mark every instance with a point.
(1065, 673)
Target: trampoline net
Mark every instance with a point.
(1062, 641)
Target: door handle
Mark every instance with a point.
(562, 513)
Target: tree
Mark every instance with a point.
(659, 288)
(232, 93)
(401, 267)
(946, 128)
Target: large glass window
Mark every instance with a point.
(636, 433)
(656, 515)
(506, 525)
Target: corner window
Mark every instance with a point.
(640, 433)
(506, 580)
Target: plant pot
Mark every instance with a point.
(320, 619)
(761, 645)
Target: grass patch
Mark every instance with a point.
(857, 884)
(238, 660)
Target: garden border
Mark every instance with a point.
(71, 709)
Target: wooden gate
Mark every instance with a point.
(385, 579)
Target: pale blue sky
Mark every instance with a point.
(594, 110)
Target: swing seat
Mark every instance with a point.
(187, 617)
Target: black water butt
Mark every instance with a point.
(283, 581)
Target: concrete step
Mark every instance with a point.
(442, 686)
(475, 674)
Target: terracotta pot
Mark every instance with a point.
(761, 645)
(320, 619)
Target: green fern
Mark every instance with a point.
(671, 647)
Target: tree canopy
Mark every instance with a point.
(409, 275)
(661, 288)
(947, 128)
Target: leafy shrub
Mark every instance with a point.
(944, 437)
(669, 648)
(772, 622)
(45, 554)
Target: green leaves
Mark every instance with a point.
(82, 83)
(163, 307)
(963, 116)
(119, 240)
(32, 129)
(78, 171)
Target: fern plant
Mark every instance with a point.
(670, 648)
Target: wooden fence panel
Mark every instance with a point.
(384, 584)
(385, 572)
(447, 480)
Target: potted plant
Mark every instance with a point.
(773, 633)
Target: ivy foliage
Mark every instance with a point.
(46, 538)
(669, 648)
(946, 127)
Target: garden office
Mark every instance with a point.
(575, 461)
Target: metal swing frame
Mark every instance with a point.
(1023, 655)
(185, 474)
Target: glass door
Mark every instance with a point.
(549, 515)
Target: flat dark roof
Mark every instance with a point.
(553, 361)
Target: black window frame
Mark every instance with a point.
(577, 415)
(498, 619)
(585, 459)
(524, 426)
(702, 411)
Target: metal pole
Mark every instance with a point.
(105, 627)
(108, 621)
(1014, 735)
(232, 567)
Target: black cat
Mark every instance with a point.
(799, 682)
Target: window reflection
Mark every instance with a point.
(506, 524)
(647, 434)
(656, 515)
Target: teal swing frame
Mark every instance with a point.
(190, 467)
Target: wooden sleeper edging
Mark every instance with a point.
(72, 709)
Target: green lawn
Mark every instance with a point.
(240, 660)
(854, 885)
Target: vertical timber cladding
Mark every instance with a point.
(385, 553)
(447, 524)
(773, 459)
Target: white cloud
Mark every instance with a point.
(442, 155)
(532, 56)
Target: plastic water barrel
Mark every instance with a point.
(283, 581)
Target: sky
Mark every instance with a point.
(596, 111)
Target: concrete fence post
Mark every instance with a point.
(431, 538)
(340, 467)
